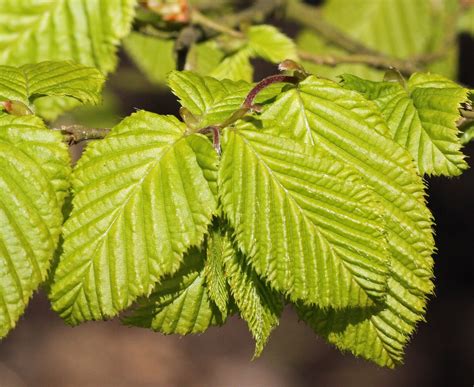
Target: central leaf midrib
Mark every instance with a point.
(304, 216)
(119, 211)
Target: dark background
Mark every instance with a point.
(42, 351)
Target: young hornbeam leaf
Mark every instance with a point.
(209, 100)
(257, 303)
(323, 114)
(218, 250)
(85, 32)
(268, 43)
(235, 66)
(143, 197)
(422, 118)
(307, 223)
(34, 180)
(142, 49)
(21, 86)
(263, 41)
(180, 303)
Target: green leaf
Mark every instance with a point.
(218, 249)
(29, 82)
(468, 134)
(34, 180)
(86, 32)
(229, 58)
(258, 305)
(144, 50)
(346, 125)
(211, 101)
(204, 57)
(142, 198)
(235, 66)
(307, 224)
(268, 43)
(180, 304)
(421, 118)
(50, 108)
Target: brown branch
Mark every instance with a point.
(75, 134)
(198, 18)
(406, 67)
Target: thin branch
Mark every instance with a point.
(247, 106)
(279, 78)
(75, 134)
(198, 18)
(258, 12)
(378, 62)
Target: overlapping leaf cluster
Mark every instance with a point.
(316, 202)
(34, 176)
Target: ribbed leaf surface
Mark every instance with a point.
(258, 305)
(342, 122)
(422, 118)
(209, 100)
(28, 82)
(219, 249)
(180, 304)
(142, 198)
(86, 32)
(308, 225)
(34, 180)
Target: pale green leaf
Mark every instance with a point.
(86, 32)
(258, 305)
(307, 223)
(235, 66)
(180, 304)
(343, 123)
(209, 100)
(268, 43)
(468, 134)
(50, 108)
(218, 250)
(152, 55)
(262, 41)
(204, 57)
(34, 180)
(142, 198)
(29, 82)
(422, 118)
